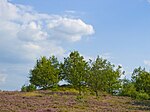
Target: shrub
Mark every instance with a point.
(142, 96)
(31, 88)
(28, 88)
(55, 87)
(129, 90)
(24, 88)
(132, 93)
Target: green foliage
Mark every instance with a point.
(103, 76)
(55, 87)
(95, 80)
(94, 76)
(128, 89)
(75, 70)
(29, 88)
(141, 80)
(24, 88)
(46, 73)
(139, 86)
(142, 96)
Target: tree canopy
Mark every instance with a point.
(97, 76)
(46, 73)
(103, 76)
(75, 69)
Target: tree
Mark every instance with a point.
(141, 80)
(46, 73)
(96, 80)
(75, 70)
(113, 78)
(103, 77)
(128, 88)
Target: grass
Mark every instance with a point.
(68, 101)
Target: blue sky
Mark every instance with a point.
(118, 30)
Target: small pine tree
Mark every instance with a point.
(75, 71)
(46, 73)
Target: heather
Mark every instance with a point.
(65, 101)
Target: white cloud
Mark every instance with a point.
(25, 34)
(70, 29)
(8, 11)
(32, 32)
(147, 62)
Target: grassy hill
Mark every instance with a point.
(66, 101)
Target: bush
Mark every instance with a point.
(55, 87)
(142, 96)
(24, 88)
(129, 90)
(28, 88)
(132, 93)
(31, 88)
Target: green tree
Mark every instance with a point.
(113, 78)
(97, 79)
(75, 70)
(139, 86)
(141, 80)
(128, 88)
(46, 73)
(103, 76)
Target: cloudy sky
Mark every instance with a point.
(118, 30)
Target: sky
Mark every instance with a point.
(118, 30)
